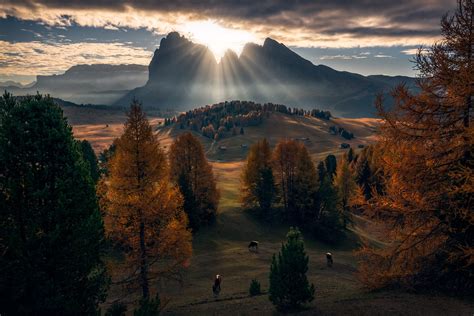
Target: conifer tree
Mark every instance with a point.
(258, 185)
(91, 159)
(306, 188)
(296, 178)
(51, 231)
(427, 142)
(346, 190)
(143, 211)
(193, 174)
(289, 286)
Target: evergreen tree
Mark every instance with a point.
(51, 231)
(91, 159)
(331, 165)
(350, 155)
(346, 190)
(329, 224)
(143, 211)
(289, 286)
(258, 185)
(193, 174)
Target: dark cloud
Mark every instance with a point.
(397, 18)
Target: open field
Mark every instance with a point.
(222, 248)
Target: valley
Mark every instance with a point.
(222, 248)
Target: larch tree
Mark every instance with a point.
(51, 230)
(143, 211)
(427, 142)
(257, 182)
(285, 157)
(296, 178)
(306, 188)
(193, 174)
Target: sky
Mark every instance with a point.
(43, 37)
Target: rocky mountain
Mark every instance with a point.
(183, 74)
(96, 84)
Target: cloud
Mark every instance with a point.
(305, 23)
(42, 58)
(411, 51)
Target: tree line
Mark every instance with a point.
(285, 184)
(229, 118)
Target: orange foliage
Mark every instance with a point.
(426, 146)
(143, 211)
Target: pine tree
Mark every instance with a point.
(258, 185)
(331, 165)
(289, 286)
(427, 144)
(191, 171)
(51, 231)
(329, 224)
(143, 212)
(346, 189)
(91, 159)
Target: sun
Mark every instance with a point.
(218, 38)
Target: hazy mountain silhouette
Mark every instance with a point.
(96, 84)
(183, 74)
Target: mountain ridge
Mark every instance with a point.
(183, 74)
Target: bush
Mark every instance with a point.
(116, 309)
(148, 307)
(289, 286)
(254, 288)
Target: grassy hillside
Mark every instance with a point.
(222, 248)
(278, 126)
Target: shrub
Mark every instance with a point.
(116, 309)
(148, 307)
(254, 288)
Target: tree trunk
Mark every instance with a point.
(143, 263)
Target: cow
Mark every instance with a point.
(329, 260)
(253, 246)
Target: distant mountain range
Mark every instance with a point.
(94, 84)
(183, 75)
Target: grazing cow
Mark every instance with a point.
(216, 288)
(253, 246)
(329, 259)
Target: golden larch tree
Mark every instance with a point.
(427, 142)
(257, 183)
(193, 174)
(143, 211)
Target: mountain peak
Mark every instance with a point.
(270, 42)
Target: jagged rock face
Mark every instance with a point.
(184, 75)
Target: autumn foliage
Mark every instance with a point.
(192, 173)
(426, 146)
(143, 210)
